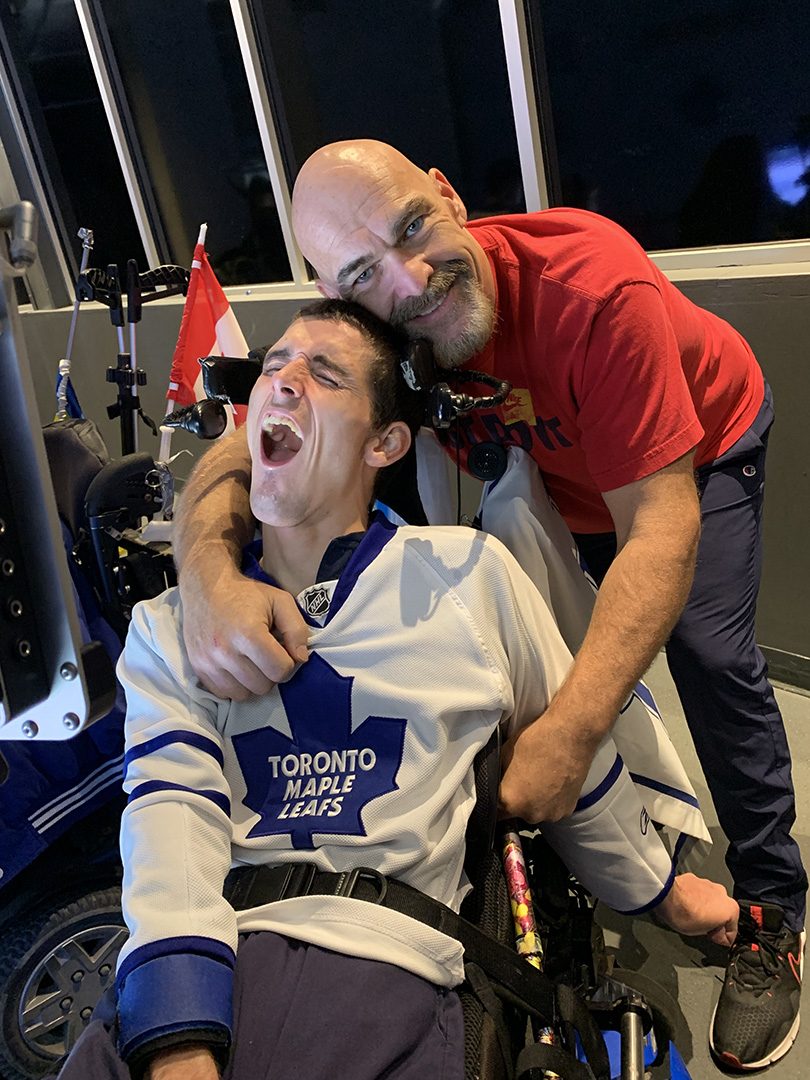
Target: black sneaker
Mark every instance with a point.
(757, 1017)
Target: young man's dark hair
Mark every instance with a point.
(391, 397)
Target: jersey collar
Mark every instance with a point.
(371, 543)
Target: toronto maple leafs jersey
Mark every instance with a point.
(428, 639)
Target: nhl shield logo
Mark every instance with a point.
(316, 601)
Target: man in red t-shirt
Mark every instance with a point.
(624, 393)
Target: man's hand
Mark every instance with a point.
(696, 906)
(184, 1063)
(242, 636)
(544, 768)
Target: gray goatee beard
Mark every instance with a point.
(479, 309)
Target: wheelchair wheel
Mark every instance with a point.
(55, 964)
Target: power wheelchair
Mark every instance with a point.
(60, 802)
(58, 951)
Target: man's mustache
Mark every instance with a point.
(440, 283)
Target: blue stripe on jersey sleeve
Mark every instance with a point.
(173, 993)
(190, 738)
(603, 787)
(216, 797)
(656, 899)
(665, 789)
(187, 943)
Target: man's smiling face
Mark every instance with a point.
(387, 235)
(309, 424)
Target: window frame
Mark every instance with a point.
(770, 259)
(51, 284)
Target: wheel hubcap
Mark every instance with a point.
(64, 988)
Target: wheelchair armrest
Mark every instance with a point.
(122, 487)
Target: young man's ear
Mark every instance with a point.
(449, 194)
(388, 446)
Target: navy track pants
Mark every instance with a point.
(302, 1011)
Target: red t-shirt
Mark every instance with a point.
(614, 373)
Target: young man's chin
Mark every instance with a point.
(267, 510)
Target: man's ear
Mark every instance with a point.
(388, 446)
(450, 195)
(329, 291)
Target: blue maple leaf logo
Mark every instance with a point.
(319, 780)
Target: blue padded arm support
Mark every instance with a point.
(170, 994)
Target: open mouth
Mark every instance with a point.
(281, 439)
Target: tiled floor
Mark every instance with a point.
(692, 972)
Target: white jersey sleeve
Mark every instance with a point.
(175, 844)
(608, 842)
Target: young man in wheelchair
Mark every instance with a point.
(263, 839)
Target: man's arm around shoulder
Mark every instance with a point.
(657, 527)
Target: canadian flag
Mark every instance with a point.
(208, 328)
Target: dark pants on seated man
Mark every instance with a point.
(303, 1011)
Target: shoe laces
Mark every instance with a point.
(756, 956)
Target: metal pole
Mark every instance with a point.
(133, 317)
(632, 1042)
(86, 236)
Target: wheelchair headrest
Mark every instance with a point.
(128, 488)
(229, 377)
(76, 453)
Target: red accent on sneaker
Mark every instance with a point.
(756, 914)
(796, 967)
(730, 1059)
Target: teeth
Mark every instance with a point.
(432, 308)
(275, 420)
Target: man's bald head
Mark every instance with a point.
(381, 231)
(337, 175)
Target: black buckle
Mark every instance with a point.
(349, 880)
(297, 881)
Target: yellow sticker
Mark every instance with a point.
(518, 406)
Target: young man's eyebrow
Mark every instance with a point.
(413, 208)
(276, 354)
(330, 365)
(319, 358)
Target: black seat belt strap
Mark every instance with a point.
(483, 990)
(514, 980)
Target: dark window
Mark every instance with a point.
(70, 137)
(195, 127)
(428, 77)
(687, 122)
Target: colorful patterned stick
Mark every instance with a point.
(527, 939)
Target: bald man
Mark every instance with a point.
(625, 394)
